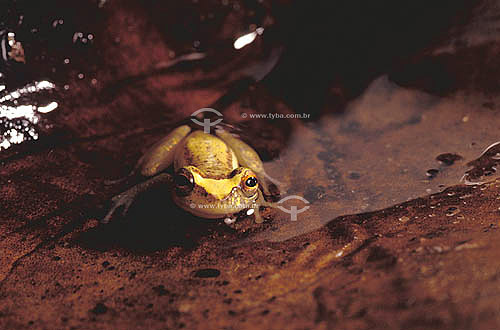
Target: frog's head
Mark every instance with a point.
(215, 198)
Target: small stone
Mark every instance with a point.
(99, 308)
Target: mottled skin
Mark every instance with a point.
(215, 176)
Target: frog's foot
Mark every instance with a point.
(264, 206)
(270, 191)
(256, 213)
(126, 198)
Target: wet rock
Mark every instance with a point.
(207, 273)
(485, 165)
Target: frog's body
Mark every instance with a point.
(215, 176)
(208, 153)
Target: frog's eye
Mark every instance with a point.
(251, 182)
(184, 182)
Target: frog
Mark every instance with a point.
(215, 176)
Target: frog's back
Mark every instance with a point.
(208, 153)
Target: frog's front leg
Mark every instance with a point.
(126, 198)
(248, 157)
(157, 159)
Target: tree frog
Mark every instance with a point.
(215, 176)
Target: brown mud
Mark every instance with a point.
(399, 233)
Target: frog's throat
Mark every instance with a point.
(219, 188)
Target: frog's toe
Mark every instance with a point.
(126, 198)
(258, 217)
(123, 201)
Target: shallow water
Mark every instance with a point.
(379, 149)
(391, 145)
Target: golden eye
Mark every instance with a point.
(250, 182)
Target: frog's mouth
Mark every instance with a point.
(220, 189)
(230, 204)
